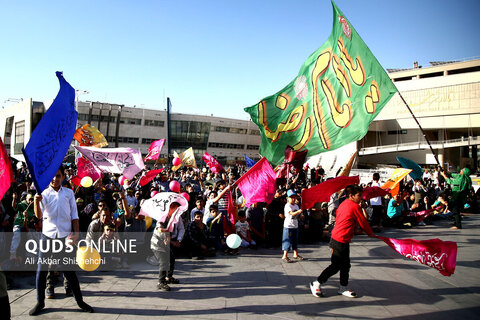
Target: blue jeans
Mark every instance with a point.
(17, 236)
(290, 239)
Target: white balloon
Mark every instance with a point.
(234, 241)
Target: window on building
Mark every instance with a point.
(186, 134)
(225, 145)
(231, 130)
(19, 137)
(130, 121)
(252, 147)
(154, 123)
(397, 132)
(254, 132)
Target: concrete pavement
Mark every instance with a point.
(257, 285)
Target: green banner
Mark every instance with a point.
(339, 90)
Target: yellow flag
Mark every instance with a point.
(187, 157)
(348, 167)
(90, 136)
(394, 180)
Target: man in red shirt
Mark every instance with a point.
(349, 214)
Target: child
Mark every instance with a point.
(243, 230)
(290, 227)
(215, 228)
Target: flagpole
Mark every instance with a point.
(420, 127)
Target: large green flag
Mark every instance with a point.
(339, 90)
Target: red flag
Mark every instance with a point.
(232, 212)
(155, 149)
(420, 215)
(323, 191)
(212, 163)
(149, 176)
(292, 159)
(86, 168)
(259, 183)
(6, 172)
(76, 180)
(435, 253)
(373, 192)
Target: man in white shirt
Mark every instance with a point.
(57, 208)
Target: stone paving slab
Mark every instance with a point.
(257, 285)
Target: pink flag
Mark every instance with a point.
(155, 149)
(323, 191)
(86, 168)
(212, 163)
(6, 172)
(158, 207)
(373, 192)
(149, 176)
(435, 253)
(126, 161)
(420, 215)
(258, 184)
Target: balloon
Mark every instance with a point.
(185, 195)
(176, 161)
(121, 180)
(88, 258)
(148, 222)
(153, 193)
(234, 241)
(174, 186)
(86, 182)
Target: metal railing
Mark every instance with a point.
(418, 145)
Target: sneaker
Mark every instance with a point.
(421, 223)
(163, 286)
(50, 293)
(316, 289)
(173, 280)
(346, 292)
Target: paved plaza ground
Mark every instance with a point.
(257, 285)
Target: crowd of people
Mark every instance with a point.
(108, 210)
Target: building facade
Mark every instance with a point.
(228, 140)
(445, 98)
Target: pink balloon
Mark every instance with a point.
(153, 193)
(174, 186)
(176, 161)
(121, 180)
(185, 195)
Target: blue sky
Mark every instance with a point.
(209, 57)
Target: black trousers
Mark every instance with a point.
(42, 272)
(340, 261)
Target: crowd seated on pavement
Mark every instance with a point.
(109, 209)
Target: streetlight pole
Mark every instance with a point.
(78, 93)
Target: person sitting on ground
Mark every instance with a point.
(243, 230)
(196, 238)
(216, 234)
(441, 207)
